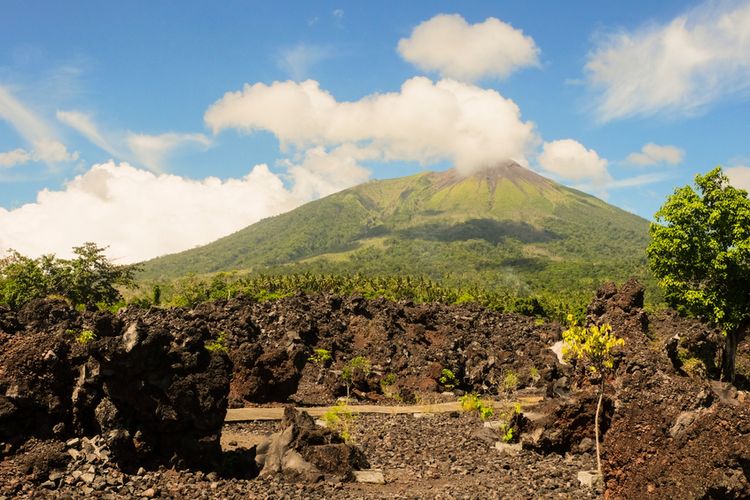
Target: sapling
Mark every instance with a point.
(355, 367)
(594, 346)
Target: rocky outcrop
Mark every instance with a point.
(303, 450)
(154, 393)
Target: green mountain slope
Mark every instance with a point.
(505, 226)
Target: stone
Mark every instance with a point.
(149, 493)
(508, 448)
(589, 479)
(370, 476)
(88, 477)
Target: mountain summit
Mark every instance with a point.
(502, 226)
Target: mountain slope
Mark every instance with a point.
(504, 226)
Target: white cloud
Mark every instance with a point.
(296, 61)
(15, 157)
(321, 172)
(677, 68)
(338, 15)
(425, 122)
(85, 125)
(456, 49)
(140, 214)
(653, 154)
(739, 176)
(40, 136)
(571, 160)
(152, 150)
(52, 151)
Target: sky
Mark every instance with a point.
(154, 127)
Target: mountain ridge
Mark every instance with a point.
(506, 220)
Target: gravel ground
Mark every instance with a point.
(425, 456)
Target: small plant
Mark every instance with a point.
(510, 382)
(595, 347)
(507, 436)
(356, 367)
(218, 344)
(340, 419)
(471, 402)
(388, 386)
(448, 379)
(534, 375)
(320, 357)
(84, 336)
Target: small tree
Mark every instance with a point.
(593, 346)
(93, 278)
(356, 367)
(700, 251)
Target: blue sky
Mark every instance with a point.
(156, 126)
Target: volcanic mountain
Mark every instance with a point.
(504, 226)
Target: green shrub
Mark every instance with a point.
(218, 344)
(320, 357)
(448, 379)
(341, 420)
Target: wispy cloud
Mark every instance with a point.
(675, 69)
(654, 154)
(43, 143)
(152, 150)
(15, 157)
(85, 125)
(297, 61)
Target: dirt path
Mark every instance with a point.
(276, 413)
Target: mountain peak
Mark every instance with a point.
(508, 170)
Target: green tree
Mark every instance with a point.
(700, 251)
(93, 278)
(89, 278)
(21, 279)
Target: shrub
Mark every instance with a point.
(320, 357)
(471, 402)
(341, 420)
(448, 379)
(218, 344)
(510, 382)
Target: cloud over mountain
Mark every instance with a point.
(425, 122)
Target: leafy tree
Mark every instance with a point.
(700, 251)
(93, 278)
(89, 278)
(22, 279)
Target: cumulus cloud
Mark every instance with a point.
(297, 61)
(679, 67)
(140, 214)
(425, 122)
(456, 49)
(322, 172)
(152, 150)
(653, 154)
(571, 160)
(15, 157)
(739, 176)
(84, 124)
